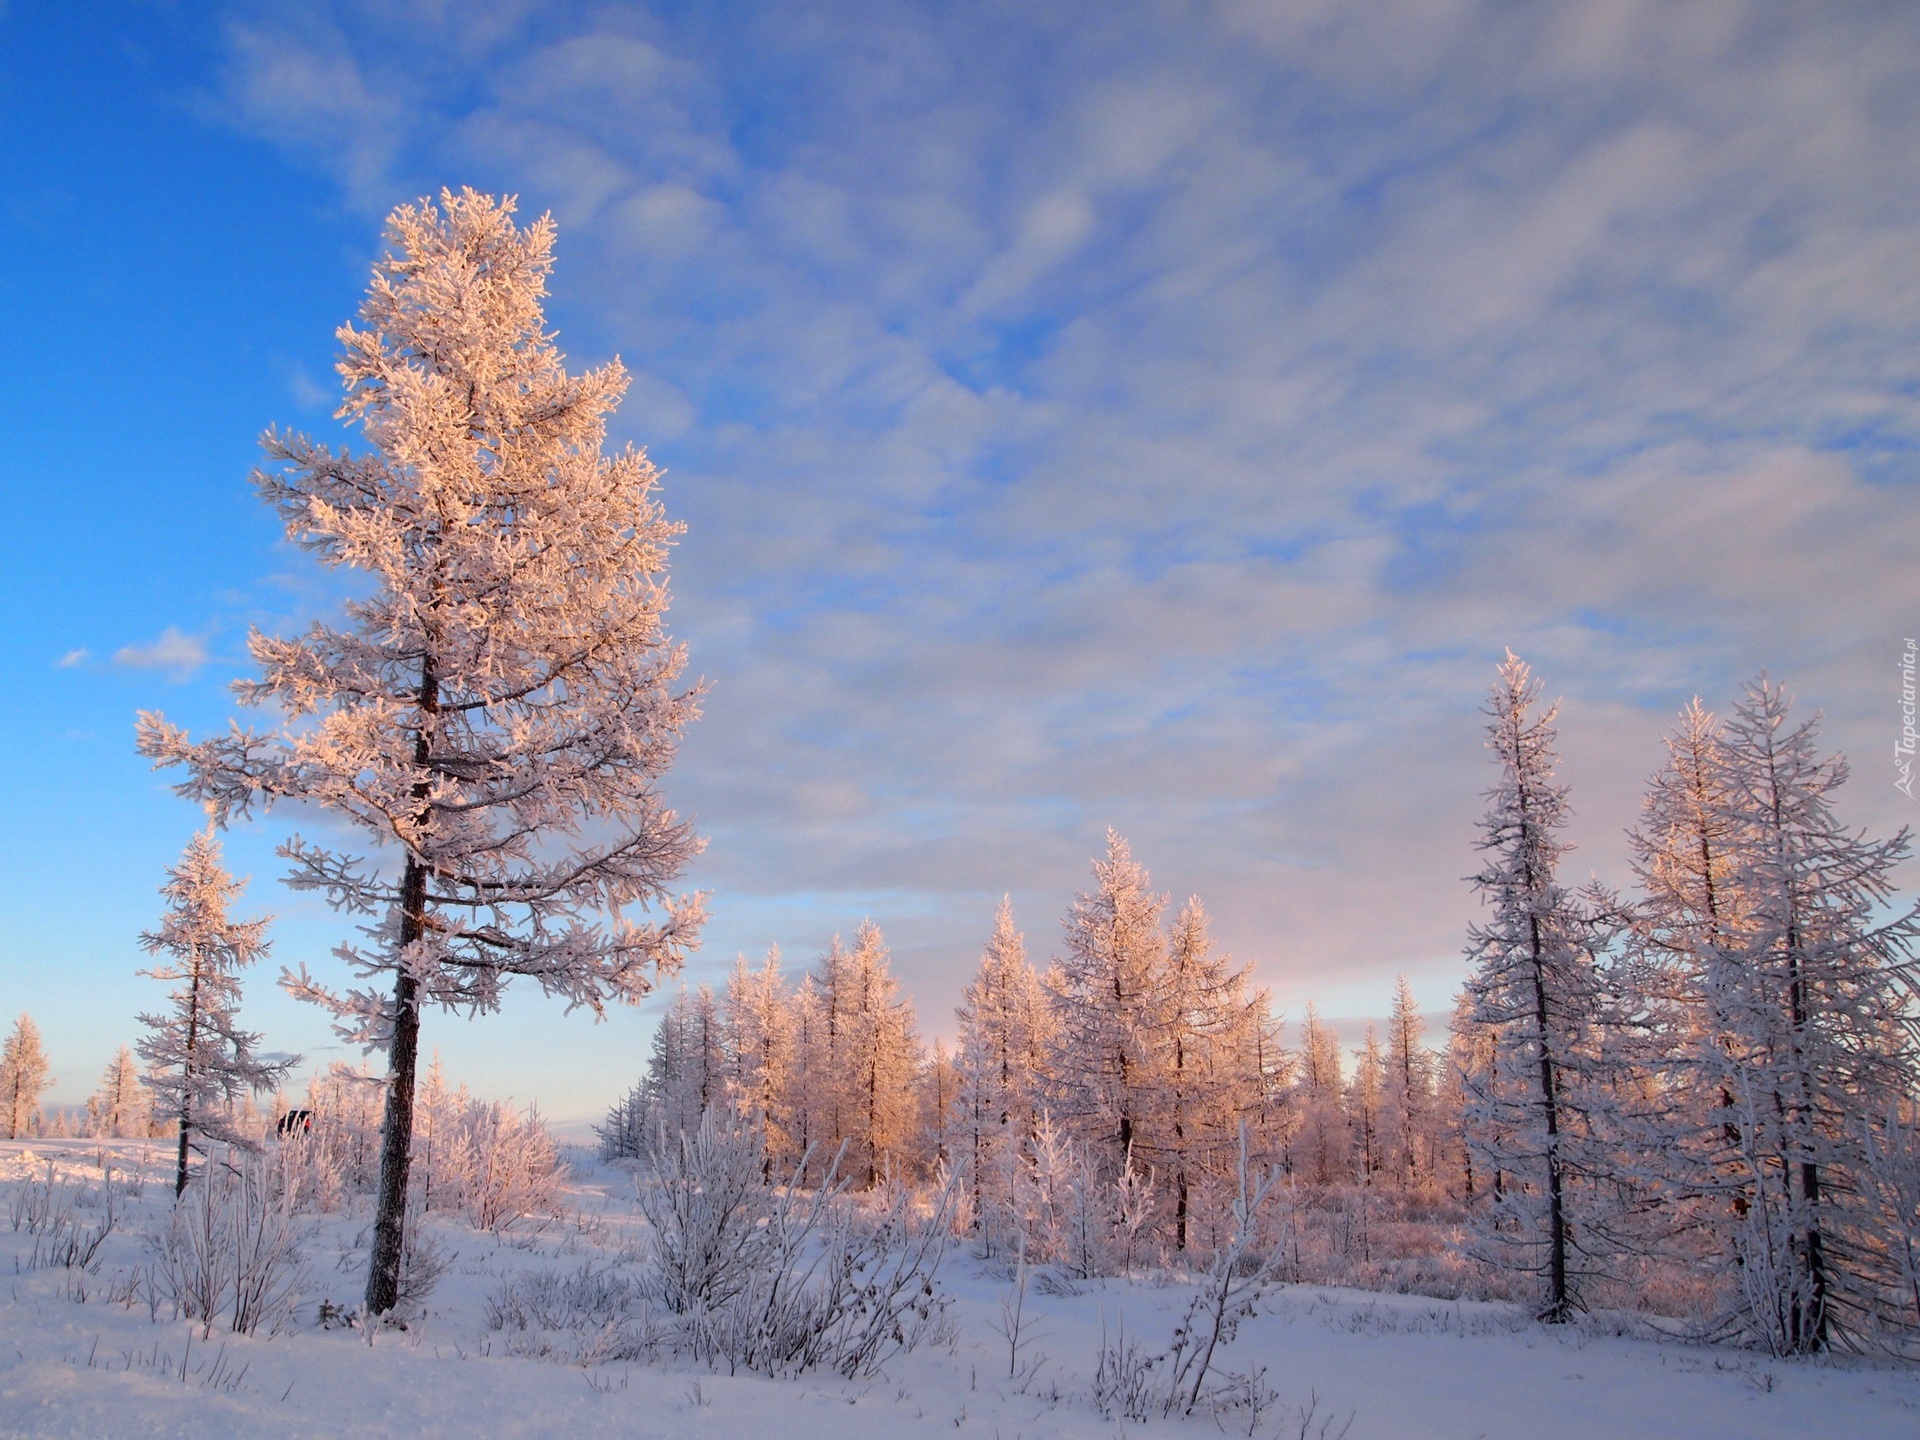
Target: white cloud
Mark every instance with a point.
(1168, 421)
(174, 652)
(73, 658)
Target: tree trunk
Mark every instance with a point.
(396, 1131)
(1557, 1307)
(186, 1079)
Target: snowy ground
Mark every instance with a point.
(1396, 1366)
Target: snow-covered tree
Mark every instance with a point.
(1534, 989)
(939, 1091)
(1791, 1034)
(878, 1053)
(1366, 1094)
(500, 707)
(1407, 1099)
(122, 1106)
(1109, 999)
(623, 1135)
(24, 1077)
(1006, 1030)
(760, 1046)
(688, 1067)
(1320, 1147)
(1468, 1066)
(1207, 1066)
(202, 1061)
(825, 1089)
(812, 1102)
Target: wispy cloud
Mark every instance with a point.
(73, 658)
(1168, 417)
(178, 654)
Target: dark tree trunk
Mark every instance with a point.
(403, 1054)
(396, 1131)
(1558, 1308)
(186, 1079)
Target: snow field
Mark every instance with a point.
(84, 1358)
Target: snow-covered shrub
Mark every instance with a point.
(484, 1159)
(230, 1249)
(48, 1209)
(512, 1166)
(1138, 1384)
(336, 1152)
(781, 1280)
(706, 1203)
(584, 1315)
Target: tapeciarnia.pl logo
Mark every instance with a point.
(1903, 750)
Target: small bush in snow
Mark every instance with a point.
(49, 1209)
(583, 1316)
(229, 1251)
(1138, 1384)
(780, 1280)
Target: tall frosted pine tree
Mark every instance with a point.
(879, 1056)
(497, 711)
(1005, 1033)
(1533, 992)
(1789, 997)
(200, 1060)
(1109, 996)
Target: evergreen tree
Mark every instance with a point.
(831, 1087)
(1791, 1031)
(23, 1077)
(1408, 1092)
(1534, 990)
(810, 1106)
(879, 1054)
(1468, 1069)
(760, 1045)
(687, 1069)
(121, 1107)
(1205, 1066)
(1006, 1033)
(1321, 1147)
(939, 1090)
(502, 704)
(1366, 1094)
(203, 1062)
(1110, 1001)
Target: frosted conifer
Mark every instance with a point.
(760, 1045)
(1791, 1034)
(1534, 993)
(1110, 1002)
(1207, 1070)
(501, 706)
(1366, 1093)
(1407, 1102)
(1006, 1030)
(122, 1106)
(201, 1062)
(879, 1054)
(1321, 1145)
(23, 1077)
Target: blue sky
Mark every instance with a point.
(1150, 415)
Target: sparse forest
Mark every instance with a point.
(1694, 1098)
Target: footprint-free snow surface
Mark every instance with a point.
(80, 1356)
